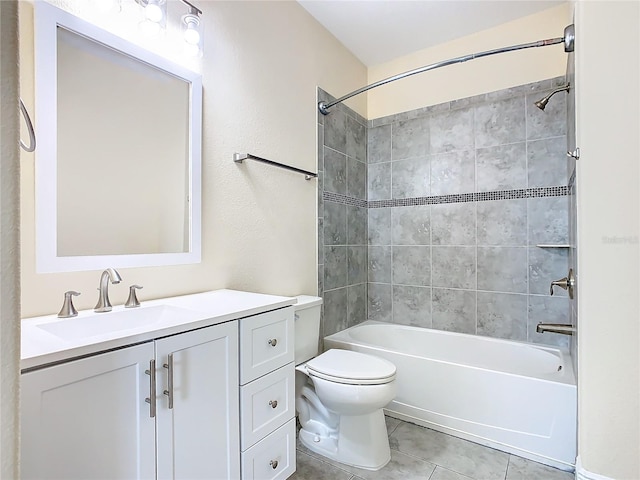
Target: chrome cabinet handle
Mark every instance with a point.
(273, 342)
(274, 464)
(273, 403)
(151, 399)
(169, 367)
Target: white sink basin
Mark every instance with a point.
(97, 324)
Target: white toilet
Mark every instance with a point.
(340, 395)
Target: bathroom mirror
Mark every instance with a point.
(118, 160)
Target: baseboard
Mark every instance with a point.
(582, 474)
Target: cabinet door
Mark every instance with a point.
(198, 436)
(88, 418)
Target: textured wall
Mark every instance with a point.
(9, 241)
(261, 66)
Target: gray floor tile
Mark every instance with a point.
(450, 452)
(401, 467)
(422, 453)
(391, 423)
(444, 474)
(310, 468)
(523, 469)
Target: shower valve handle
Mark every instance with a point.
(562, 283)
(567, 283)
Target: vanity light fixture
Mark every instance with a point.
(154, 21)
(192, 29)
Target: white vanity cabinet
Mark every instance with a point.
(96, 417)
(88, 418)
(199, 386)
(197, 404)
(267, 389)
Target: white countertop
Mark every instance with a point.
(40, 347)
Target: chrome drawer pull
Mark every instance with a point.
(273, 403)
(273, 342)
(274, 464)
(151, 399)
(169, 367)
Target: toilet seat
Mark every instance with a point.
(353, 368)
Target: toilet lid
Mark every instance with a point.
(345, 366)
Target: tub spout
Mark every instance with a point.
(562, 328)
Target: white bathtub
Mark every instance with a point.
(516, 397)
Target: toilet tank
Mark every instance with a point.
(307, 327)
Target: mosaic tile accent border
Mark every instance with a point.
(344, 199)
(536, 192)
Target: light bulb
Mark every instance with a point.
(153, 12)
(191, 24)
(191, 35)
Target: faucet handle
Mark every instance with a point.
(133, 301)
(562, 283)
(567, 283)
(68, 310)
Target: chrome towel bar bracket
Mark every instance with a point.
(239, 157)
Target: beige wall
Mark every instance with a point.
(476, 76)
(9, 241)
(262, 63)
(608, 111)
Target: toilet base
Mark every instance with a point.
(360, 441)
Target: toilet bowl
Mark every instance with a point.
(339, 397)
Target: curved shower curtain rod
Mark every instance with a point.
(568, 39)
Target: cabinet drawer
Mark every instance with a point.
(266, 404)
(272, 458)
(266, 343)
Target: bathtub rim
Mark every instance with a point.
(568, 377)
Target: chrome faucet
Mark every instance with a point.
(563, 328)
(110, 274)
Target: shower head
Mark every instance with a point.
(542, 103)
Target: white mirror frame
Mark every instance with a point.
(47, 20)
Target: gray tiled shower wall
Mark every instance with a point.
(571, 174)
(342, 224)
(448, 258)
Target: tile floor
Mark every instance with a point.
(422, 453)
